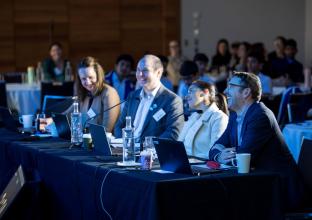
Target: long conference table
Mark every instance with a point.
(75, 184)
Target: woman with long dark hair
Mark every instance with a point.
(202, 130)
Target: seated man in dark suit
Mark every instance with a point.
(154, 110)
(253, 129)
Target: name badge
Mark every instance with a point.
(91, 113)
(159, 114)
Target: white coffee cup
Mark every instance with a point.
(26, 120)
(243, 162)
(109, 136)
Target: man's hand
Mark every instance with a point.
(227, 155)
(44, 122)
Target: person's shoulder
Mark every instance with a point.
(109, 90)
(215, 113)
(168, 93)
(258, 110)
(109, 74)
(298, 63)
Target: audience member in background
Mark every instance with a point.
(253, 129)
(189, 73)
(95, 95)
(202, 130)
(254, 65)
(243, 51)
(294, 69)
(234, 54)
(276, 59)
(164, 77)
(223, 55)
(279, 47)
(201, 61)
(54, 66)
(175, 61)
(259, 48)
(154, 110)
(120, 78)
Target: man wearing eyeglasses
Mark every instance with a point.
(253, 129)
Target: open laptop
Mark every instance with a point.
(62, 125)
(8, 120)
(99, 139)
(172, 157)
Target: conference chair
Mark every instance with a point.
(298, 106)
(272, 102)
(282, 118)
(3, 97)
(14, 77)
(56, 104)
(56, 89)
(304, 165)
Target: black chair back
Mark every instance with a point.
(14, 77)
(56, 89)
(298, 106)
(3, 97)
(272, 102)
(305, 162)
(56, 104)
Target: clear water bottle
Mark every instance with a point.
(39, 73)
(68, 72)
(128, 156)
(76, 125)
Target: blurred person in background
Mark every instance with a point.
(223, 55)
(242, 53)
(175, 61)
(164, 77)
(120, 78)
(202, 61)
(234, 54)
(54, 66)
(255, 63)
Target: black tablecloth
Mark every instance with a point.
(71, 186)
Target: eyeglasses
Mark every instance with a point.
(237, 85)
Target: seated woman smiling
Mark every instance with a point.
(94, 95)
(202, 130)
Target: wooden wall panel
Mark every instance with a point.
(37, 23)
(94, 30)
(141, 27)
(99, 28)
(6, 36)
(171, 21)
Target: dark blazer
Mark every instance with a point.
(129, 85)
(168, 126)
(262, 137)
